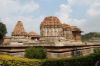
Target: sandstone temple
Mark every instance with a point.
(60, 39)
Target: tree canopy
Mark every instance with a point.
(3, 30)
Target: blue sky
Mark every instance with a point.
(82, 13)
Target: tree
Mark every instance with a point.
(3, 31)
(37, 53)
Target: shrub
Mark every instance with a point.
(38, 53)
(76, 61)
(97, 50)
(90, 60)
(6, 60)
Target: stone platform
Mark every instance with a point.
(52, 50)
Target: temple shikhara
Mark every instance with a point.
(60, 39)
(20, 36)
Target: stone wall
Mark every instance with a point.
(52, 51)
(66, 52)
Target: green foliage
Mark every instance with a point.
(97, 50)
(88, 36)
(77, 61)
(90, 60)
(3, 30)
(38, 53)
(6, 60)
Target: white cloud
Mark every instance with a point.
(13, 10)
(29, 8)
(12, 7)
(89, 22)
(82, 2)
(64, 11)
(94, 10)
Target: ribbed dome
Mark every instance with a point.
(51, 21)
(66, 27)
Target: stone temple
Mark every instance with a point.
(20, 36)
(60, 40)
(53, 30)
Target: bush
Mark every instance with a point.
(37, 53)
(77, 61)
(6, 60)
(97, 50)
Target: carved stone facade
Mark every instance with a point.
(67, 32)
(53, 30)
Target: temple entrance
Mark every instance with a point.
(33, 38)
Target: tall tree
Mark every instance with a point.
(3, 31)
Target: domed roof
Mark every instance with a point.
(75, 28)
(51, 21)
(66, 27)
(32, 34)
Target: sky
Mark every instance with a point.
(82, 13)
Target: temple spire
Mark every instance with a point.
(19, 29)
